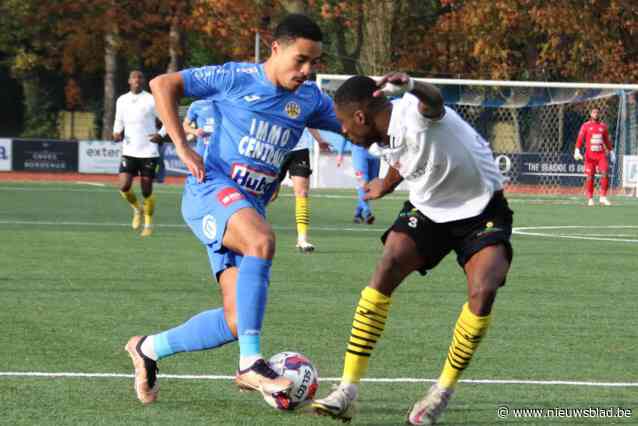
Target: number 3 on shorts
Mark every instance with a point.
(413, 222)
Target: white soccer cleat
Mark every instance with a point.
(590, 202)
(260, 377)
(146, 383)
(338, 405)
(429, 409)
(604, 201)
(137, 219)
(305, 247)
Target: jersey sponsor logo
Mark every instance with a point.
(292, 109)
(252, 180)
(228, 196)
(248, 70)
(251, 98)
(266, 142)
(209, 227)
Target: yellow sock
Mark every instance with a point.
(367, 326)
(468, 332)
(149, 209)
(131, 198)
(302, 217)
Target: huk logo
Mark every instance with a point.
(292, 109)
(252, 180)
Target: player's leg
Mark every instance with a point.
(300, 174)
(404, 252)
(485, 253)
(149, 167)
(247, 232)
(360, 166)
(128, 169)
(206, 330)
(590, 170)
(372, 172)
(603, 168)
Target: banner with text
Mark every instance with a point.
(630, 171)
(99, 157)
(33, 155)
(5, 155)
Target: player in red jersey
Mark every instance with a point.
(597, 146)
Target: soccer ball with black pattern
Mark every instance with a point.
(303, 374)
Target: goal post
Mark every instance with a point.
(532, 126)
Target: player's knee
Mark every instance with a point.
(125, 187)
(262, 245)
(301, 193)
(147, 192)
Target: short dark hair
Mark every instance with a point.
(296, 26)
(359, 89)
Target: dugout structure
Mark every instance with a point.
(532, 126)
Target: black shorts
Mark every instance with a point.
(139, 166)
(298, 163)
(466, 236)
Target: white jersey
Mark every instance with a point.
(135, 114)
(448, 166)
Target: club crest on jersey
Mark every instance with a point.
(292, 109)
(254, 181)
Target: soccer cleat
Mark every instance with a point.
(590, 202)
(137, 219)
(370, 219)
(147, 231)
(262, 378)
(357, 219)
(305, 247)
(604, 201)
(146, 383)
(337, 405)
(429, 409)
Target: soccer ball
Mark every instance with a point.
(303, 374)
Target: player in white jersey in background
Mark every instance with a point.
(455, 203)
(297, 164)
(136, 127)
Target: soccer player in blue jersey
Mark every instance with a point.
(200, 123)
(366, 168)
(259, 111)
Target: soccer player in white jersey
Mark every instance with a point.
(135, 126)
(455, 203)
(297, 165)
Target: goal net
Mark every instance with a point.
(532, 127)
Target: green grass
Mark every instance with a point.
(76, 283)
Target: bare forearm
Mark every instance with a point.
(431, 105)
(167, 90)
(391, 180)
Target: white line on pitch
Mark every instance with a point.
(101, 185)
(328, 379)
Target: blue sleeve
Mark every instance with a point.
(207, 81)
(342, 145)
(324, 116)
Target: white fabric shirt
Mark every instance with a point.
(135, 114)
(448, 167)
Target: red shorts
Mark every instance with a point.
(597, 162)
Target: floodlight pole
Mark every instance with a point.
(257, 42)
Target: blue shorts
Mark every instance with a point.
(207, 207)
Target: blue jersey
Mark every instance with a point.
(201, 113)
(255, 122)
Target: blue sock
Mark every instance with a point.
(205, 330)
(252, 294)
(362, 205)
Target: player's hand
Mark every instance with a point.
(201, 133)
(374, 189)
(118, 137)
(324, 146)
(192, 161)
(394, 84)
(275, 194)
(339, 160)
(612, 157)
(577, 155)
(155, 138)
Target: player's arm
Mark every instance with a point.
(118, 124)
(167, 90)
(378, 188)
(608, 145)
(579, 141)
(431, 103)
(323, 145)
